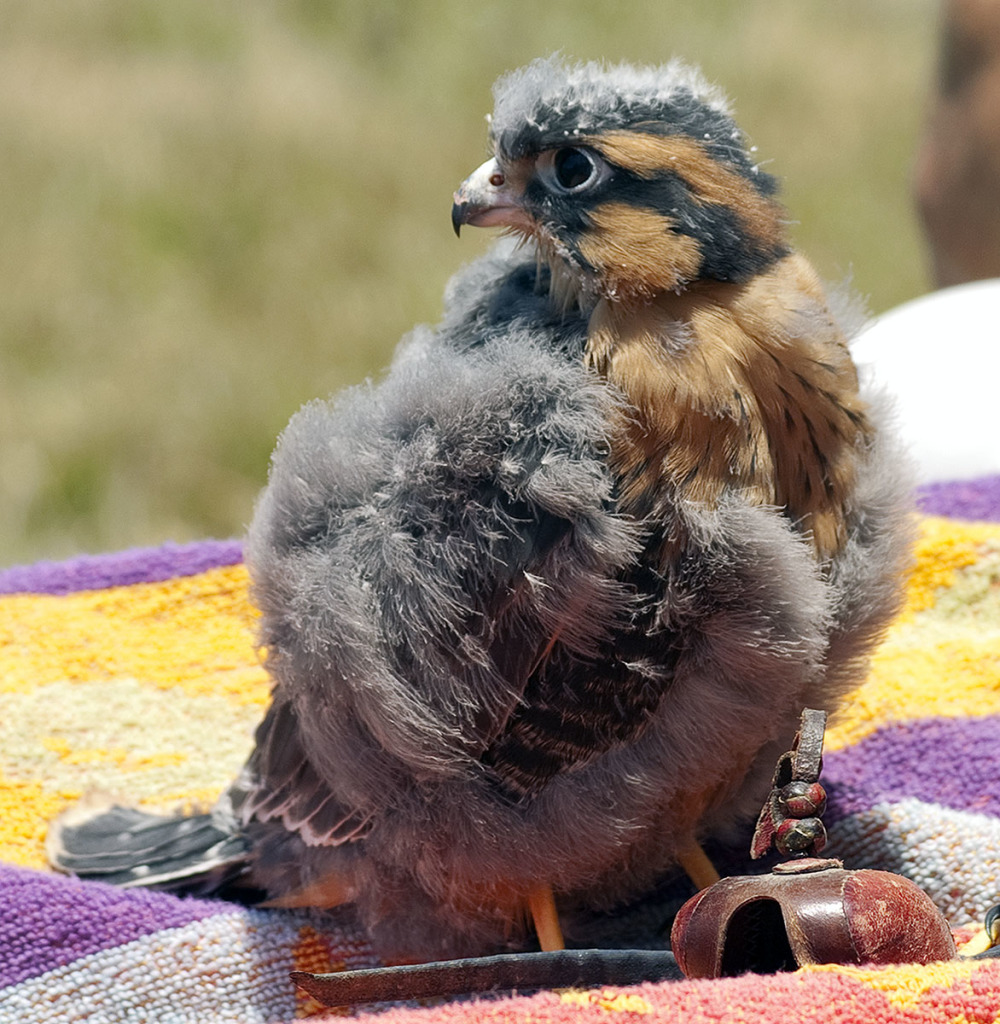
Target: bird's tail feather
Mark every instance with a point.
(194, 854)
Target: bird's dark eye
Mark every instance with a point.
(573, 167)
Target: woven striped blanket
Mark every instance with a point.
(136, 673)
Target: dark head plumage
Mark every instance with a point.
(634, 180)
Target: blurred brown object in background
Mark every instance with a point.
(957, 180)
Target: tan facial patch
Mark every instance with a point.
(636, 250)
(710, 180)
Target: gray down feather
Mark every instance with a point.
(419, 541)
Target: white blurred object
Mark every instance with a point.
(940, 356)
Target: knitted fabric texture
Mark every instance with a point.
(136, 673)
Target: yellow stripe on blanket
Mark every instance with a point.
(941, 658)
(906, 986)
(150, 691)
(192, 632)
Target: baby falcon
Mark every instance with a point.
(543, 606)
(637, 190)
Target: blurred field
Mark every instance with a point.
(211, 212)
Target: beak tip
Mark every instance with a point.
(457, 218)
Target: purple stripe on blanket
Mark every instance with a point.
(137, 565)
(48, 921)
(962, 499)
(954, 762)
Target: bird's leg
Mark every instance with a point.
(699, 868)
(542, 905)
(332, 890)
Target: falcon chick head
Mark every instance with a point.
(633, 180)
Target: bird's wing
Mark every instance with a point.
(592, 685)
(280, 783)
(430, 552)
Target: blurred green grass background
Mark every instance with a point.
(212, 212)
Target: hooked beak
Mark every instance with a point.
(486, 199)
